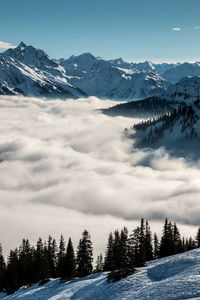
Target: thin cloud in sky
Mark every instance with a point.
(176, 29)
(179, 28)
(5, 46)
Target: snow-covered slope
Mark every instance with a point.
(138, 86)
(186, 90)
(31, 72)
(170, 278)
(83, 62)
(5, 90)
(182, 70)
(146, 66)
(178, 132)
(164, 67)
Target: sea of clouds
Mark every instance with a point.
(64, 167)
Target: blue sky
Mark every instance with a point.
(136, 30)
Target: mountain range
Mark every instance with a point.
(31, 72)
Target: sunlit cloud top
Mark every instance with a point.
(5, 45)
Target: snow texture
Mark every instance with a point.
(170, 278)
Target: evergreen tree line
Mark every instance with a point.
(125, 251)
(28, 264)
(185, 115)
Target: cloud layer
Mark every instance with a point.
(65, 167)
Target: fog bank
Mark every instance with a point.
(66, 167)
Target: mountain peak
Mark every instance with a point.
(30, 56)
(87, 55)
(147, 63)
(22, 45)
(118, 61)
(83, 61)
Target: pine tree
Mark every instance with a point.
(41, 263)
(126, 254)
(167, 240)
(178, 248)
(25, 263)
(12, 274)
(197, 238)
(116, 251)
(2, 269)
(85, 255)
(148, 243)
(138, 244)
(183, 244)
(142, 242)
(124, 249)
(123, 262)
(135, 243)
(38, 258)
(52, 256)
(108, 261)
(99, 264)
(156, 247)
(61, 257)
(191, 244)
(69, 271)
(187, 244)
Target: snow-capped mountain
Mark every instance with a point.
(164, 67)
(113, 79)
(120, 62)
(182, 70)
(118, 79)
(32, 57)
(146, 66)
(29, 71)
(83, 62)
(171, 278)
